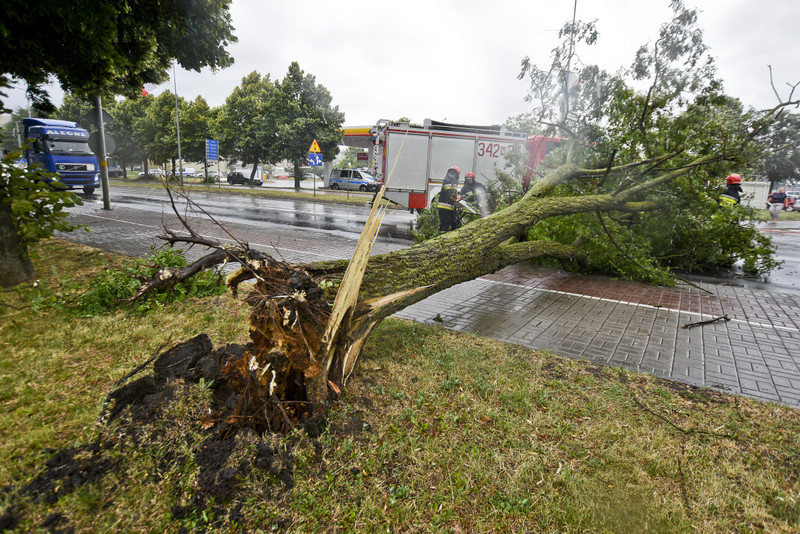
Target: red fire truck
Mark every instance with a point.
(414, 158)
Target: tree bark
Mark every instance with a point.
(15, 263)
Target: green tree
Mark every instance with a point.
(96, 49)
(247, 122)
(682, 115)
(157, 128)
(30, 210)
(12, 130)
(196, 122)
(304, 114)
(124, 129)
(349, 159)
(779, 151)
(74, 108)
(107, 48)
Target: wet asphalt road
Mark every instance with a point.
(329, 217)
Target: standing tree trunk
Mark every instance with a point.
(15, 263)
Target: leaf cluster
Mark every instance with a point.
(660, 116)
(108, 290)
(37, 209)
(107, 48)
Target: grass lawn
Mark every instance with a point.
(437, 432)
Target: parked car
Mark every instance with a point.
(353, 180)
(115, 172)
(279, 173)
(236, 177)
(152, 173)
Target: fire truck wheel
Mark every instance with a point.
(88, 190)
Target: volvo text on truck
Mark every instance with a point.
(418, 156)
(61, 147)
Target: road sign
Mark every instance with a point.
(94, 144)
(91, 117)
(315, 159)
(315, 147)
(212, 149)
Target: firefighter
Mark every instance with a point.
(448, 218)
(475, 193)
(470, 186)
(731, 195)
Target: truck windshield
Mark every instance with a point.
(60, 147)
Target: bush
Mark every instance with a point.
(107, 292)
(112, 286)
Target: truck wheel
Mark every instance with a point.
(362, 188)
(88, 190)
(335, 187)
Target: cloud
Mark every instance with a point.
(459, 60)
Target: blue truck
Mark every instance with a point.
(61, 147)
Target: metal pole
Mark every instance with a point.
(103, 159)
(177, 124)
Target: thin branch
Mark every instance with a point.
(772, 83)
(667, 420)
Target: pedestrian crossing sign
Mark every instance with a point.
(314, 147)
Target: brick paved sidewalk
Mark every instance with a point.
(635, 326)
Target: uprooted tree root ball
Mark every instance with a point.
(287, 321)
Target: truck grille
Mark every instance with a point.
(74, 167)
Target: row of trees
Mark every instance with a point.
(261, 122)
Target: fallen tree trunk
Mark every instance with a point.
(305, 345)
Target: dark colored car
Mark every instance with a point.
(236, 177)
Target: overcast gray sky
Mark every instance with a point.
(458, 60)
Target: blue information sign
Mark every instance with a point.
(315, 159)
(212, 149)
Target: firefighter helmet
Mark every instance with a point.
(469, 175)
(733, 179)
(451, 177)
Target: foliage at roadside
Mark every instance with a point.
(35, 208)
(107, 291)
(439, 431)
(266, 122)
(619, 138)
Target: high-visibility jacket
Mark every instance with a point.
(731, 195)
(449, 194)
(448, 197)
